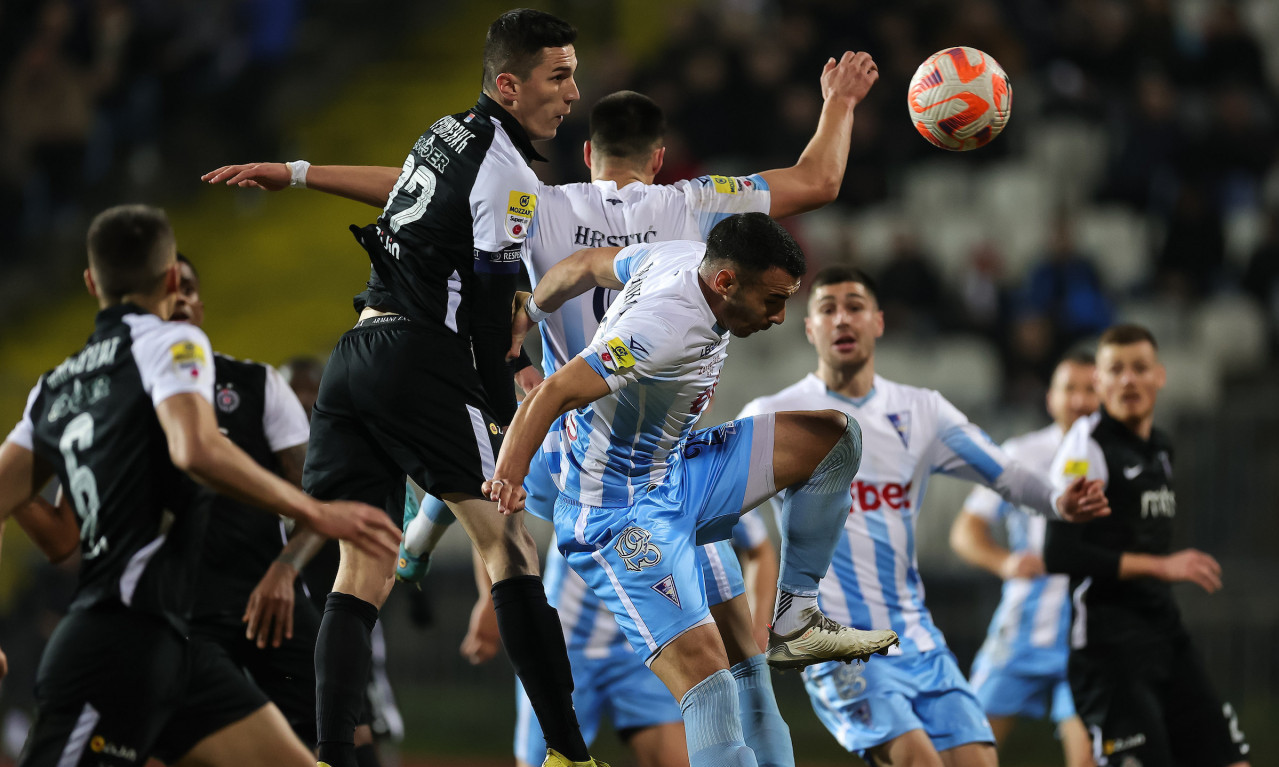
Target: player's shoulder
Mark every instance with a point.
(148, 330)
(1048, 438)
(1084, 428)
(898, 394)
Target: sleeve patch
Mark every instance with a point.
(1075, 468)
(498, 262)
(617, 357)
(520, 207)
(726, 184)
(188, 358)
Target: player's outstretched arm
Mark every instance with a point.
(572, 386)
(52, 527)
(582, 271)
(814, 180)
(198, 448)
(369, 184)
(1190, 565)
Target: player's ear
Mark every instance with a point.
(1161, 375)
(879, 322)
(172, 279)
(586, 153)
(90, 284)
(808, 328)
(724, 281)
(655, 162)
(508, 87)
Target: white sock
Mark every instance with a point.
(792, 611)
(423, 535)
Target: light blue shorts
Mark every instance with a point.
(1003, 692)
(866, 706)
(618, 686)
(642, 560)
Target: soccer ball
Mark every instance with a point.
(959, 99)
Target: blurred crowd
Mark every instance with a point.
(101, 97)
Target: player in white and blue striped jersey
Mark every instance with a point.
(1020, 670)
(639, 487)
(914, 705)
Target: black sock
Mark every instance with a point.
(366, 756)
(534, 642)
(343, 657)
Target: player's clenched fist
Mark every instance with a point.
(850, 78)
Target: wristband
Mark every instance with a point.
(297, 173)
(534, 313)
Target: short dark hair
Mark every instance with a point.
(1123, 335)
(130, 247)
(834, 275)
(515, 41)
(182, 259)
(754, 243)
(626, 124)
(1080, 355)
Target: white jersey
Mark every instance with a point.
(575, 216)
(908, 434)
(661, 351)
(1030, 627)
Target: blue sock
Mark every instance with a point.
(813, 514)
(713, 724)
(766, 732)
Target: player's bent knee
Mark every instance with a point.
(364, 575)
(690, 658)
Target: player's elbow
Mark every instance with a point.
(190, 452)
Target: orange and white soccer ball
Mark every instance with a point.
(959, 99)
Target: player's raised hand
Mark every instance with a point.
(1083, 500)
(360, 524)
(850, 78)
(507, 493)
(271, 176)
(1193, 566)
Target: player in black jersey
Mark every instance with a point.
(1138, 684)
(127, 423)
(248, 594)
(421, 387)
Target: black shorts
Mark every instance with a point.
(398, 400)
(116, 686)
(285, 673)
(1153, 704)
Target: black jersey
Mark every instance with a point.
(1138, 477)
(93, 418)
(262, 416)
(446, 250)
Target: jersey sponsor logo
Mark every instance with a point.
(520, 207)
(901, 422)
(1158, 503)
(100, 745)
(227, 399)
(1075, 468)
(726, 184)
(666, 587)
(869, 496)
(716, 436)
(594, 238)
(188, 358)
(618, 356)
(1114, 745)
(635, 546)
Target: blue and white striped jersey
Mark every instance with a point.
(574, 216)
(661, 351)
(908, 434)
(600, 214)
(1029, 630)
